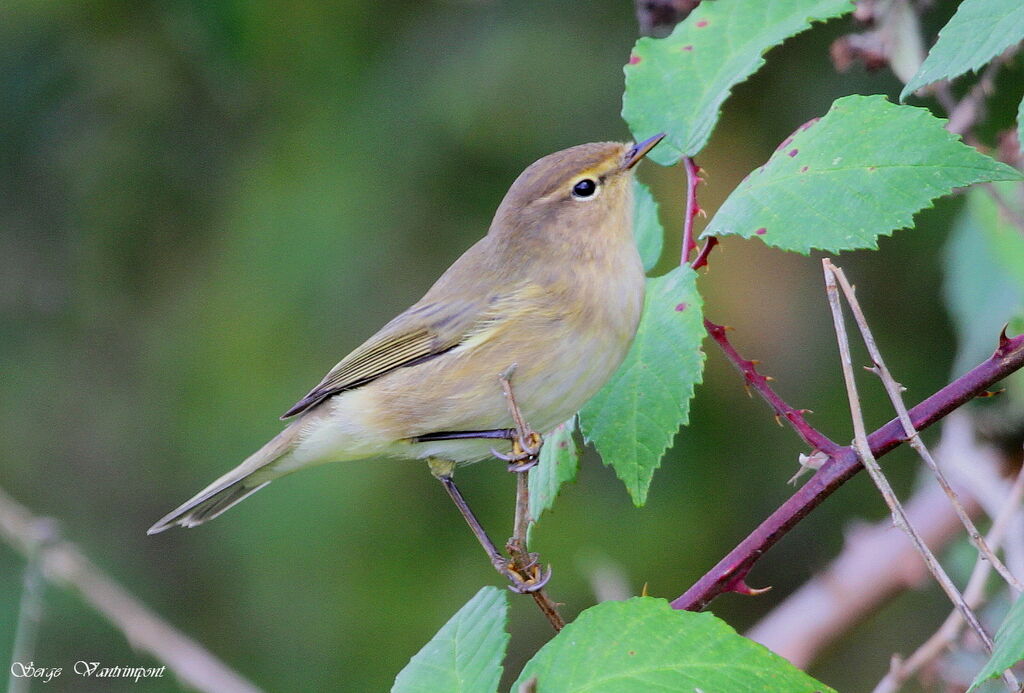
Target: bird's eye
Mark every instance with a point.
(584, 189)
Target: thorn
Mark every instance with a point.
(873, 369)
(741, 587)
(727, 328)
(989, 393)
(746, 388)
(754, 362)
(769, 378)
(643, 592)
(778, 420)
(1003, 339)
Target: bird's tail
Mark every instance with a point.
(245, 479)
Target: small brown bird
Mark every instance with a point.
(554, 290)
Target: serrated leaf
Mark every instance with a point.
(979, 31)
(860, 172)
(634, 417)
(465, 655)
(644, 645)
(1009, 645)
(677, 84)
(646, 226)
(559, 460)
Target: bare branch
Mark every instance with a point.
(877, 562)
(62, 563)
(974, 595)
(894, 390)
(871, 464)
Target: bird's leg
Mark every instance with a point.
(523, 584)
(526, 446)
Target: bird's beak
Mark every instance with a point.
(639, 151)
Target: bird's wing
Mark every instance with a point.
(426, 330)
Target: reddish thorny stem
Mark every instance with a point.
(692, 209)
(731, 571)
(729, 575)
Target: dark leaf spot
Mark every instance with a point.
(687, 48)
(702, 23)
(634, 59)
(761, 231)
(681, 307)
(793, 152)
(803, 169)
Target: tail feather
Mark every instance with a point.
(232, 488)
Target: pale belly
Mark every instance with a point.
(560, 363)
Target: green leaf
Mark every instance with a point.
(559, 460)
(465, 655)
(677, 84)
(646, 227)
(979, 31)
(1009, 645)
(862, 171)
(634, 417)
(644, 645)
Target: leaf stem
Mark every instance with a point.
(692, 208)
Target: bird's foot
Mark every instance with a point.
(525, 452)
(524, 579)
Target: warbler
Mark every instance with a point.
(553, 291)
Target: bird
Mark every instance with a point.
(550, 298)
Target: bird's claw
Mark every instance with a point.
(524, 579)
(535, 581)
(525, 451)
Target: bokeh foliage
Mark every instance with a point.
(205, 205)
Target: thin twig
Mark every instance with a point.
(894, 389)
(974, 595)
(871, 464)
(795, 417)
(30, 610)
(965, 113)
(877, 563)
(1012, 215)
(63, 564)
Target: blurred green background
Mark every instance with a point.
(204, 205)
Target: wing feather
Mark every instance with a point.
(423, 332)
(461, 307)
